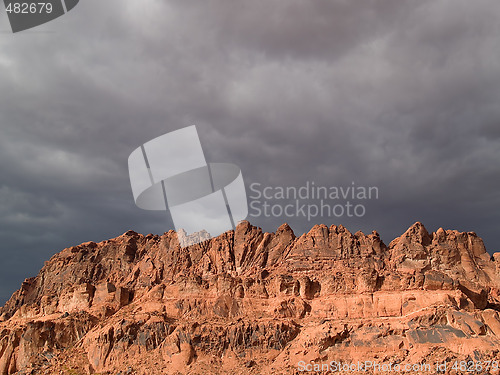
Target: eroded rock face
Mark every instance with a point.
(254, 302)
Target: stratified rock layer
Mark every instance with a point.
(256, 303)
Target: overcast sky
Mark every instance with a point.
(402, 95)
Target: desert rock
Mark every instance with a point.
(255, 303)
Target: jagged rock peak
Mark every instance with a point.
(254, 302)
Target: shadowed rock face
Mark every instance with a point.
(255, 303)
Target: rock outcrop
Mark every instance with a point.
(257, 303)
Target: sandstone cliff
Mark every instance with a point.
(256, 303)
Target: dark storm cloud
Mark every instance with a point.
(394, 94)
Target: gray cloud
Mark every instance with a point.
(396, 94)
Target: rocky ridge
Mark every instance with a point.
(256, 303)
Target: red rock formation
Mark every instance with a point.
(256, 303)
